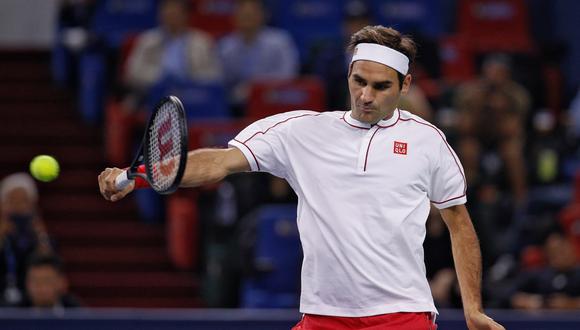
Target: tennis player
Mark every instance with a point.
(365, 179)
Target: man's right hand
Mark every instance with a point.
(107, 185)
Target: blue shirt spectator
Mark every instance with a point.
(171, 51)
(255, 52)
(174, 62)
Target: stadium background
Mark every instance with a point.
(62, 94)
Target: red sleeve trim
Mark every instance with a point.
(253, 155)
(371, 140)
(452, 155)
(368, 148)
(266, 131)
(349, 124)
(278, 123)
(449, 200)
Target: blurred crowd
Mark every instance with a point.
(498, 92)
(31, 273)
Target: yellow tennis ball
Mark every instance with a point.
(44, 168)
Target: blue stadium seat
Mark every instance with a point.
(277, 257)
(150, 205)
(423, 16)
(114, 20)
(309, 21)
(201, 100)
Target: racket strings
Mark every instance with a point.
(165, 147)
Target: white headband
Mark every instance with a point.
(381, 54)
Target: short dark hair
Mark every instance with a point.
(385, 36)
(39, 260)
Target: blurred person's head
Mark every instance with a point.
(174, 16)
(249, 17)
(45, 281)
(18, 200)
(378, 74)
(559, 252)
(356, 17)
(496, 68)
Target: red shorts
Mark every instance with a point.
(392, 321)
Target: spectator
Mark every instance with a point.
(492, 111)
(22, 233)
(331, 62)
(554, 286)
(171, 51)
(231, 233)
(575, 115)
(491, 136)
(415, 101)
(255, 51)
(46, 284)
(72, 38)
(547, 148)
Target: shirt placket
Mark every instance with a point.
(364, 149)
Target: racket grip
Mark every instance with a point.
(122, 181)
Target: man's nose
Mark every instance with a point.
(367, 95)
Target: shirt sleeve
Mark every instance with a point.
(448, 185)
(264, 143)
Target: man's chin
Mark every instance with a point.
(368, 117)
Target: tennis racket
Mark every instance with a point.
(163, 151)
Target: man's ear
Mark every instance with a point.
(406, 84)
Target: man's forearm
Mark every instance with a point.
(206, 166)
(467, 258)
(466, 255)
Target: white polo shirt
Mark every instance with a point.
(363, 199)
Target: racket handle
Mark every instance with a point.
(122, 181)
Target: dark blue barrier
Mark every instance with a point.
(214, 319)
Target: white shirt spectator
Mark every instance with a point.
(271, 55)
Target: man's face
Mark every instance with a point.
(45, 285)
(18, 201)
(496, 73)
(249, 16)
(374, 91)
(173, 17)
(559, 252)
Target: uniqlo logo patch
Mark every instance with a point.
(400, 148)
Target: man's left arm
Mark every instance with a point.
(467, 258)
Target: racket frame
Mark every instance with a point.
(182, 119)
(143, 156)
